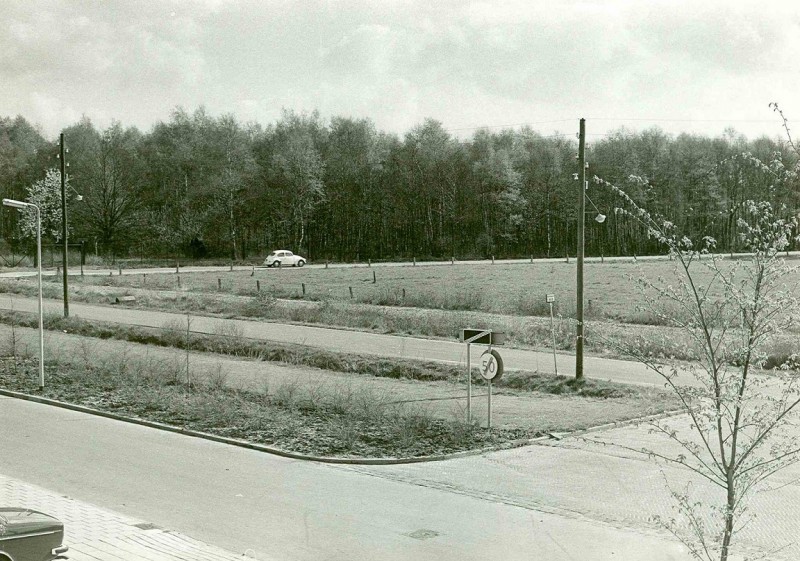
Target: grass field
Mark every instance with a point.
(513, 289)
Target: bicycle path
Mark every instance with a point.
(349, 341)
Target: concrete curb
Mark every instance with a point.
(615, 424)
(261, 447)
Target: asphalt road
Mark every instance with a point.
(240, 499)
(349, 341)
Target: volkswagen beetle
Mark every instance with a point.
(284, 258)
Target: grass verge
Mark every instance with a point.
(339, 420)
(325, 415)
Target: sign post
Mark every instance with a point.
(492, 369)
(482, 337)
(550, 299)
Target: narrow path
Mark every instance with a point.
(341, 340)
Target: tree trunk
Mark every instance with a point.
(728, 532)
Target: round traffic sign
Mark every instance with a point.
(491, 365)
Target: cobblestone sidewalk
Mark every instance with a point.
(96, 534)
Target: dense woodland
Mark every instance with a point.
(205, 186)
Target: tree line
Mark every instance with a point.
(204, 186)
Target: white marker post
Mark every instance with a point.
(550, 299)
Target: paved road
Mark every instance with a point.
(14, 273)
(321, 264)
(348, 341)
(239, 499)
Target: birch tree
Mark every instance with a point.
(742, 425)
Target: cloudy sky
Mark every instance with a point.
(694, 66)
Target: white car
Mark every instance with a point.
(284, 258)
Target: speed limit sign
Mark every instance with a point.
(491, 365)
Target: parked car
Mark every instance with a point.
(28, 535)
(284, 258)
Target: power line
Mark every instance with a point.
(608, 119)
(510, 125)
(681, 120)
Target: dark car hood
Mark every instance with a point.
(24, 521)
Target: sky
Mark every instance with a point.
(695, 66)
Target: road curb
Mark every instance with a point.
(261, 447)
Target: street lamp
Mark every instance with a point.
(22, 205)
(600, 218)
(65, 248)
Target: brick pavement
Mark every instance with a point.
(96, 534)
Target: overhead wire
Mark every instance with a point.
(606, 119)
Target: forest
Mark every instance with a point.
(200, 186)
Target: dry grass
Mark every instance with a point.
(509, 289)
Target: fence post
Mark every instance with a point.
(374, 278)
(351, 291)
(304, 288)
(219, 284)
(369, 262)
(120, 269)
(258, 285)
(179, 281)
(414, 261)
(83, 253)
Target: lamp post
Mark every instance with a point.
(22, 205)
(65, 248)
(579, 280)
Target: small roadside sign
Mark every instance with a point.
(491, 366)
(551, 298)
(482, 336)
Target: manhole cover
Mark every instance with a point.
(422, 534)
(146, 526)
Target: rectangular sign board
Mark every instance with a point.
(551, 297)
(482, 336)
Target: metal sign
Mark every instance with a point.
(551, 298)
(491, 366)
(482, 336)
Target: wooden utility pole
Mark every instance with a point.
(65, 249)
(581, 219)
